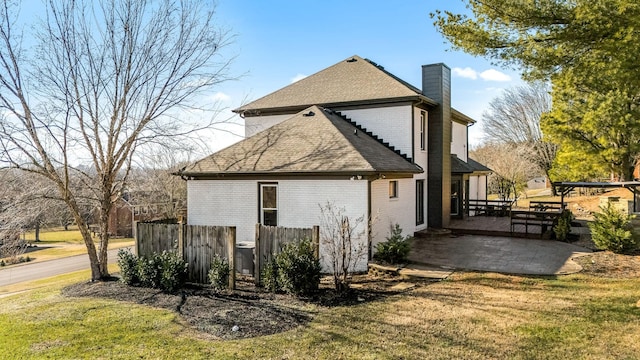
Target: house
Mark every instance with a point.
(140, 206)
(353, 135)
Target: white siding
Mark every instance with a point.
(420, 156)
(235, 203)
(392, 124)
(459, 143)
(255, 124)
(388, 212)
(224, 203)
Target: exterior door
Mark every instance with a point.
(456, 197)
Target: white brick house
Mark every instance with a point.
(353, 135)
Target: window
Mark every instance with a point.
(269, 204)
(419, 202)
(393, 189)
(423, 130)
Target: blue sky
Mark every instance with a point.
(279, 40)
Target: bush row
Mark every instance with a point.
(166, 271)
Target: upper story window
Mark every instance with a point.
(423, 130)
(393, 189)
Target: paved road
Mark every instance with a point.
(41, 270)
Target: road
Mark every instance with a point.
(40, 270)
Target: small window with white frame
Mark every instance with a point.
(393, 189)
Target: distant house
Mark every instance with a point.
(131, 209)
(353, 135)
(540, 182)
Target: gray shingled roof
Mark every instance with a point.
(458, 166)
(352, 80)
(322, 143)
(476, 166)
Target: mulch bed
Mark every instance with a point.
(606, 264)
(243, 313)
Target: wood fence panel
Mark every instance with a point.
(198, 245)
(201, 244)
(156, 238)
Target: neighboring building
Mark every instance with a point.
(539, 182)
(353, 135)
(129, 210)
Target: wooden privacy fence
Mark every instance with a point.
(156, 238)
(270, 240)
(202, 243)
(197, 245)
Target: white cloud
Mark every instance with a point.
(298, 78)
(467, 72)
(494, 75)
(221, 97)
(487, 75)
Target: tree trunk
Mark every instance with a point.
(37, 231)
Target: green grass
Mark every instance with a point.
(58, 243)
(72, 236)
(470, 316)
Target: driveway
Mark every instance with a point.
(498, 254)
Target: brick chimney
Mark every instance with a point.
(436, 85)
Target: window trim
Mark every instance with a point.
(393, 189)
(261, 209)
(423, 131)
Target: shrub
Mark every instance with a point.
(269, 276)
(173, 271)
(128, 264)
(149, 271)
(298, 268)
(219, 273)
(294, 270)
(166, 271)
(563, 228)
(396, 249)
(612, 230)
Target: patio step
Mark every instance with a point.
(410, 271)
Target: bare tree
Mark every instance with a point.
(104, 80)
(345, 242)
(511, 167)
(514, 118)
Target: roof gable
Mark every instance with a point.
(352, 80)
(315, 140)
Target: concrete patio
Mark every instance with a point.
(497, 254)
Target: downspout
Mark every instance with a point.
(369, 222)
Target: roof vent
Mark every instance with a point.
(352, 60)
(310, 113)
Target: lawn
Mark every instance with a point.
(470, 316)
(58, 243)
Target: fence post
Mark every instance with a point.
(256, 256)
(315, 239)
(231, 247)
(181, 229)
(137, 247)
